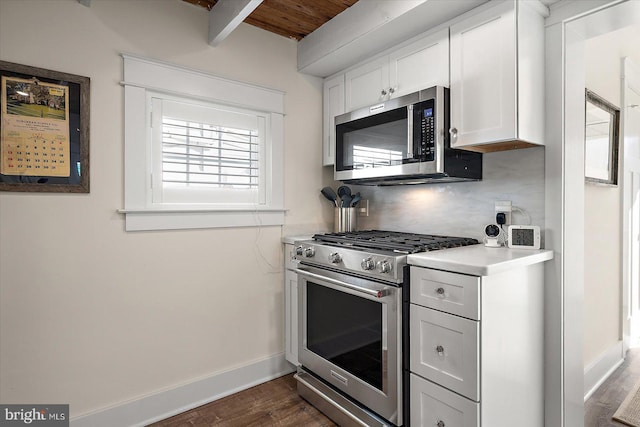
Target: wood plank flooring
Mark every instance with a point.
(601, 406)
(274, 403)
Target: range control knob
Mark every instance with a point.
(309, 252)
(299, 250)
(367, 264)
(335, 258)
(384, 266)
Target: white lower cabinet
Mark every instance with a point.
(290, 306)
(476, 348)
(453, 293)
(291, 316)
(432, 405)
(444, 349)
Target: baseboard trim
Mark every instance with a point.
(596, 373)
(171, 402)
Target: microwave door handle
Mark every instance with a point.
(410, 132)
(376, 293)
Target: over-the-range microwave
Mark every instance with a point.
(404, 140)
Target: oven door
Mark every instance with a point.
(350, 336)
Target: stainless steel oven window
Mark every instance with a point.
(347, 330)
(385, 400)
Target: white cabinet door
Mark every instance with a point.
(483, 77)
(435, 406)
(445, 349)
(367, 84)
(333, 105)
(291, 316)
(420, 65)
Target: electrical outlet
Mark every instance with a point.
(504, 206)
(363, 207)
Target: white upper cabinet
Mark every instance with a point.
(367, 84)
(420, 64)
(497, 78)
(333, 105)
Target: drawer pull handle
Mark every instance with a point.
(440, 423)
(440, 350)
(440, 291)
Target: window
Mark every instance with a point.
(200, 151)
(204, 153)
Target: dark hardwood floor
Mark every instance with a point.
(601, 406)
(274, 403)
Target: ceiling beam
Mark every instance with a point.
(369, 27)
(226, 15)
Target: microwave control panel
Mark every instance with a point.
(427, 132)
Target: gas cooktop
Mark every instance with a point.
(372, 253)
(395, 241)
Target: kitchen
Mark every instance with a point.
(110, 311)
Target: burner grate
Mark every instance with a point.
(406, 243)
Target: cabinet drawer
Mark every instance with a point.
(432, 405)
(444, 349)
(450, 292)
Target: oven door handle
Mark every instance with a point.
(376, 293)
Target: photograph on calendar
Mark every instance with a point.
(35, 128)
(44, 130)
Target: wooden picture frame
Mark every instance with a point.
(602, 140)
(44, 130)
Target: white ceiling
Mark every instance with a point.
(625, 40)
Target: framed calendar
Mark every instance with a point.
(44, 130)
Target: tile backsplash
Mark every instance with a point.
(463, 208)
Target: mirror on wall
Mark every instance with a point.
(601, 134)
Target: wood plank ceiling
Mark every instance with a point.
(289, 18)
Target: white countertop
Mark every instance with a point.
(291, 239)
(479, 260)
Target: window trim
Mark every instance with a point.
(143, 76)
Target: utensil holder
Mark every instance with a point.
(345, 219)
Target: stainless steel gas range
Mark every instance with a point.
(354, 323)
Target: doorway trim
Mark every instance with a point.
(566, 32)
(630, 318)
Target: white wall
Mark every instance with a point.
(93, 316)
(462, 208)
(603, 244)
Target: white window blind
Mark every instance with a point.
(207, 154)
(202, 154)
